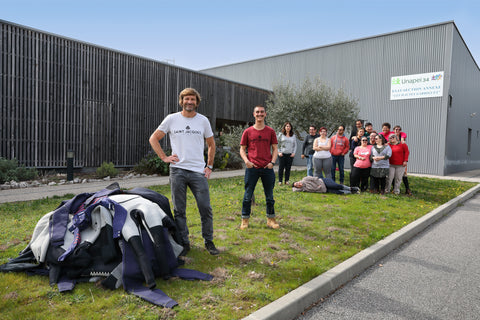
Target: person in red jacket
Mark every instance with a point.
(339, 148)
(398, 162)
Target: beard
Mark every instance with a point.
(189, 107)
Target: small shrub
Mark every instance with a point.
(225, 159)
(11, 170)
(152, 164)
(235, 161)
(221, 159)
(107, 170)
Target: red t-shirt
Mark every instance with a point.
(400, 153)
(258, 143)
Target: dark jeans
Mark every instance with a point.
(333, 187)
(268, 180)
(379, 184)
(285, 164)
(310, 165)
(341, 161)
(359, 178)
(180, 179)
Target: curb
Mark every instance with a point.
(291, 305)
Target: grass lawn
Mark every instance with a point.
(256, 266)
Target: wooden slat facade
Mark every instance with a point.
(59, 94)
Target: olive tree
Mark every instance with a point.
(312, 102)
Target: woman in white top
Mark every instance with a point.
(287, 146)
(322, 158)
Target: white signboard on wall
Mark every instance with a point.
(414, 86)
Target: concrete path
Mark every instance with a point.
(13, 195)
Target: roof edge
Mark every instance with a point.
(343, 42)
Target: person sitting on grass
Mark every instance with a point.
(322, 185)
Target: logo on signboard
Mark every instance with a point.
(414, 86)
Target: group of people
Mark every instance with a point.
(370, 154)
(376, 159)
(381, 157)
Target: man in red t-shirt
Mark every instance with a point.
(259, 150)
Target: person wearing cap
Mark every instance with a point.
(188, 130)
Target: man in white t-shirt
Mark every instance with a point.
(188, 131)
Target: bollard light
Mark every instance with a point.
(70, 156)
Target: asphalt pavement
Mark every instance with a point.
(427, 270)
(435, 275)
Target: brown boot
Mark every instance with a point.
(272, 223)
(244, 224)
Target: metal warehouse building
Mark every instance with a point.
(59, 94)
(424, 79)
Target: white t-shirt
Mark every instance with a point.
(187, 138)
(323, 154)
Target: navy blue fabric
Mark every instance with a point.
(155, 296)
(66, 284)
(59, 221)
(189, 274)
(133, 277)
(82, 220)
(58, 224)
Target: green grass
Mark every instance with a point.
(256, 266)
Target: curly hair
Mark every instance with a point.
(189, 92)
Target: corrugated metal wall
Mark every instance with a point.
(363, 68)
(59, 94)
(464, 110)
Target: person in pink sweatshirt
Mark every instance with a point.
(361, 168)
(339, 148)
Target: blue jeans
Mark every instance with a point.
(268, 180)
(179, 180)
(310, 165)
(340, 160)
(334, 187)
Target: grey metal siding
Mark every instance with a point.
(363, 68)
(464, 112)
(59, 94)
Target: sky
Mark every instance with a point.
(203, 34)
